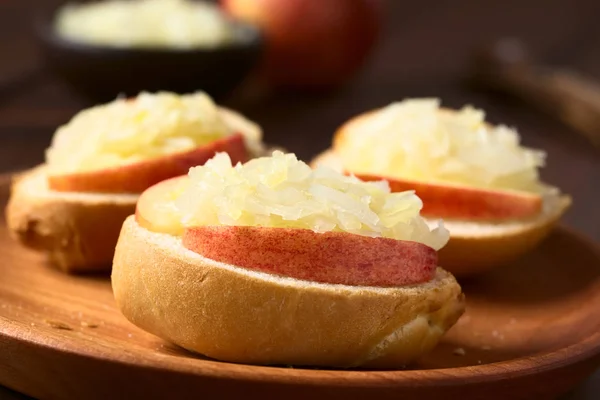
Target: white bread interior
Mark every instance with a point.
(475, 246)
(239, 315)
(79, 231)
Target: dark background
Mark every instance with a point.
(425, 51)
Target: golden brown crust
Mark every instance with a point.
(238, 315)
(78, 231)
(467, 252)
(476, 247)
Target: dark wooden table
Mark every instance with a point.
(425, 51)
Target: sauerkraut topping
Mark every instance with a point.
(145, 23)
(150, 125)
(281, 191)
(415, 140)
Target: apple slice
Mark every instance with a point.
(330, 257)
(465, 202)
(154, 209)
(136, 177)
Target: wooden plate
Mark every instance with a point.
(531, 331)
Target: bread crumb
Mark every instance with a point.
(478, 361)
(459, 351)
(58, 325)
(486, 348)
(129, 335)
(88, 324)
(512, 321)
(32, 324)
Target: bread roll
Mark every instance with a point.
(475, 246)
(77, 230)
(239, 315)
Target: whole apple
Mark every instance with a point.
(312, 43)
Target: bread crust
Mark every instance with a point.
(78, 231)
(469, 252)
(238, 315)
(478, 246)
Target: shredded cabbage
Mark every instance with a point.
(150, 125)
(281, 191)
(145, 23)
(414, 139)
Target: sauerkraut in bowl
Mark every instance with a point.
(178, 24)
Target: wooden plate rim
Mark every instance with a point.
(535, 364)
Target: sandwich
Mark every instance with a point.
(73, 205)
(477, 177)
(273, 263)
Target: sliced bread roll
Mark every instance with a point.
(77, 230)
(103, 157)
(475, 246)
(239, 315)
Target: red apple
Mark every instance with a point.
(465, 202)
(330, 257)
(312, 43)
(136, 177)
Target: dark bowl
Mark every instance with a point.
(101, 73)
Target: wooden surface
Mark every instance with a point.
(425, 52)
(531, 330)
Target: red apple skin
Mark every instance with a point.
(312, 44)
(464, 202)
(136, 177)
(331, 257)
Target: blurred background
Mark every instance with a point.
(300, 68)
